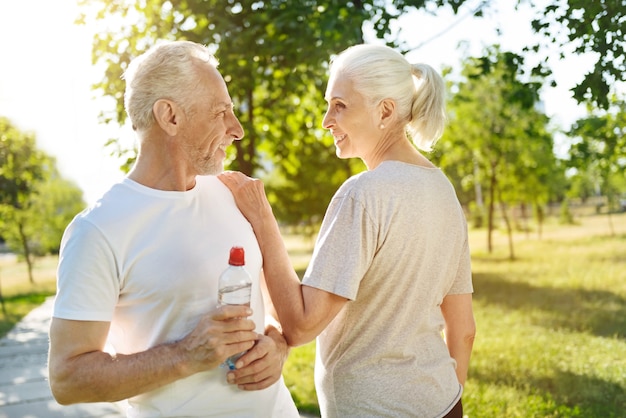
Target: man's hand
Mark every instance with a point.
(261, 366)
(219, 335)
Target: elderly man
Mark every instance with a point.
(136, 314)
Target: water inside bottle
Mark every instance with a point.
(235, 295)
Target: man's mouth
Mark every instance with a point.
(224, 145)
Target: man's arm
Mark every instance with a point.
(460, 330)
(81, 371)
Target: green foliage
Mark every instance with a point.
(43, 219)
(599, 151)
(54, 205)
(591, 27)
(22, 165)
(497, 141)
(477, 215)
(36, 204)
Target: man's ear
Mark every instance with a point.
(166, 114)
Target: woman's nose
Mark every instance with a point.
(328, 121)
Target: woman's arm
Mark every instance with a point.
(303, 311)
(460, 330)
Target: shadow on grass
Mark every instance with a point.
(597, 312)
(583, 396)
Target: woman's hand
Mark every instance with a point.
(249, 194)
(262, 365)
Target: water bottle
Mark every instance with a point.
(235, 288)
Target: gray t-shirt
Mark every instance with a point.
(394, 242)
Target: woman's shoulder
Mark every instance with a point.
(367, 183)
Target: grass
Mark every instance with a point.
(551, 324)
(20, 296)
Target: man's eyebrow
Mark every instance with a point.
(224, 105)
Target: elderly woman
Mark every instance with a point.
(388, 292)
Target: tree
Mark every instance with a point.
(22, 167)
(21, 164)
(273, 55)
(497, 140)
(592, 27)
(600, 150)
(35, 203)
(53, 206)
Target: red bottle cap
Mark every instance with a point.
(237, 257)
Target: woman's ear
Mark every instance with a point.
(166, 115)
(387, 109)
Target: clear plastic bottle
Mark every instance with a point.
(235, 288)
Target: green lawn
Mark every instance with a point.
(19, 295)
(551, 325)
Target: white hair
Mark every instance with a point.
(379, 72)
(166, 71)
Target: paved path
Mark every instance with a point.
(24, 390)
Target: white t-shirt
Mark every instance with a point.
(148, 261)
(394, 242)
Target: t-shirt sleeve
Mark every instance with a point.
(463, 281)
(344, 249)
(87, 279)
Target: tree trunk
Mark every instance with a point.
(539, 221)
(478, 191)
(611, 228)
(491, 210)
(509, 230)
(525, 226)
(27, 254)
(4, 308)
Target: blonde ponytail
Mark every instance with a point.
(428, 112)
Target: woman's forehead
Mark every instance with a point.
(338, 86)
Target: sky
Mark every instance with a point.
(46, 76)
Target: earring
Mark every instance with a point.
(382, 126)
